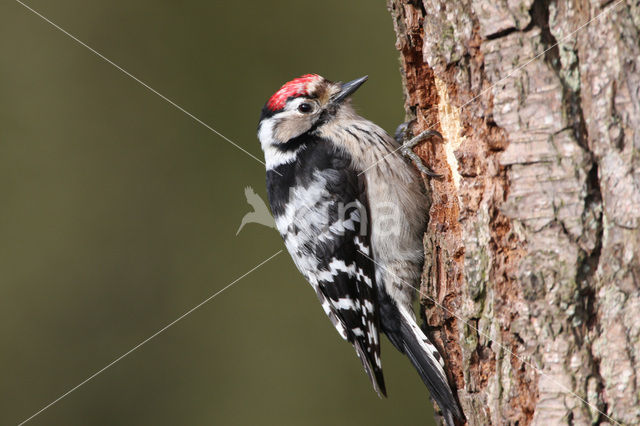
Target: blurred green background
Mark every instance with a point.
(119, 213)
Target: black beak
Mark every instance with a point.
(348, 88)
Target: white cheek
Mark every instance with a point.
(279, 129)
(273, 157)
(265, 132)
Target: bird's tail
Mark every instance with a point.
(427, 361)
(373, 371)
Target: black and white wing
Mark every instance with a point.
(320, 208)
(346, 279)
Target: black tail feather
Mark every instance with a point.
(374, 373)
(430, 375)
(403, 332)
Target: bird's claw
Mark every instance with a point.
(407, 151)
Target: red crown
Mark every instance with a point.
(295, 87)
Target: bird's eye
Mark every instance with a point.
(305, 108)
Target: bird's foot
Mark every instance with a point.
(407, 147)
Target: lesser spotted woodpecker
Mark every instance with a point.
(352, 217)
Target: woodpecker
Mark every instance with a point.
(352, 216)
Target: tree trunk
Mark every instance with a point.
(531, 286)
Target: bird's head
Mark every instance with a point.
(301, 105)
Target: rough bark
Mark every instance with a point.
(532, 257)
